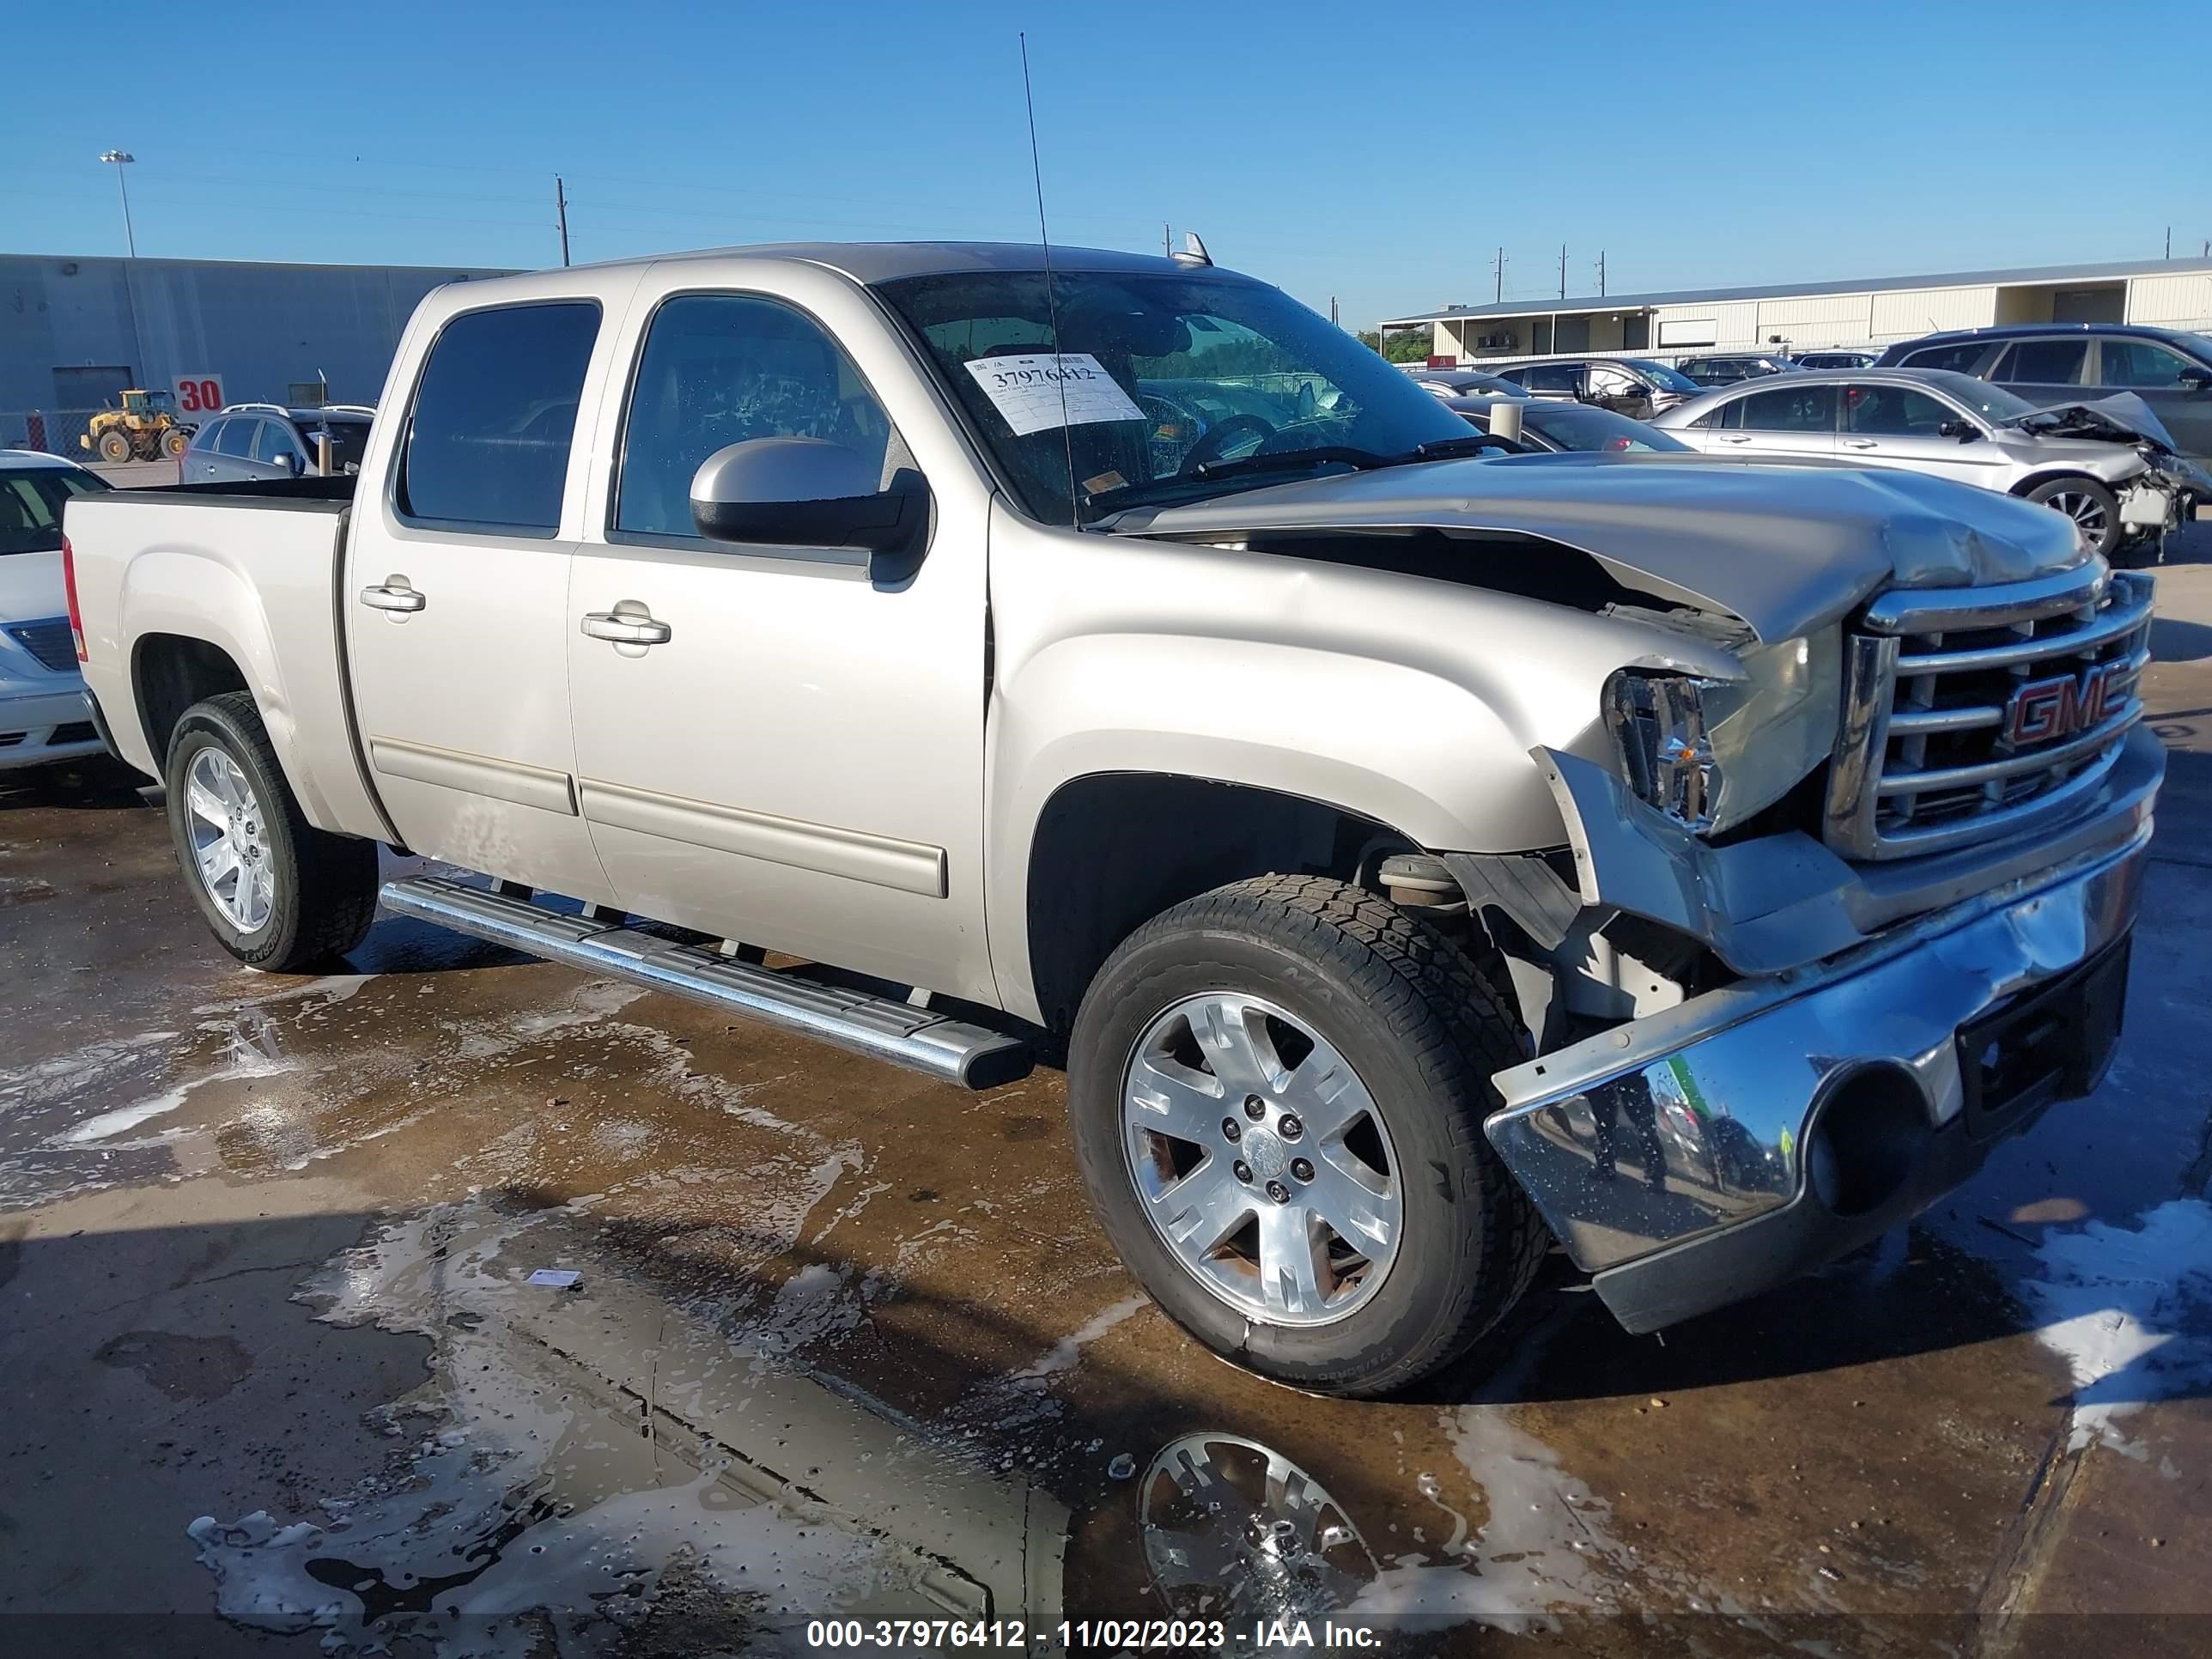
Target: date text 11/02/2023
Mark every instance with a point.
(1121, 1635)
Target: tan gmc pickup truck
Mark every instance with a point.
(1424, 851)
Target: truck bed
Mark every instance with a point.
(254, 571)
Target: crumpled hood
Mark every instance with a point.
(2122, 418)
(1786, 549)
(30, 587)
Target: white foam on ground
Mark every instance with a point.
(2129, 1310)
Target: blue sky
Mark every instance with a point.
(1311, 144)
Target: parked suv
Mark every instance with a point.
(1727, 371)
(1635, 387)
(1838, 357)
(250, 441)
(2168, 368)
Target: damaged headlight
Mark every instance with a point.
(1708, 752)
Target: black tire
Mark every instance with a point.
(114, 445)
(175, 443)
(2092, 507)
(1424, 1029)
(325, 885)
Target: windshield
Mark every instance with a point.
(31, 506)
(1577, 426)
(1659, 374)
(1166, 380)
(1992, 403)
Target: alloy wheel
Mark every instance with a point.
(1261, 1159)
(230, 839)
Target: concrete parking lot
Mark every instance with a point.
(843, 1341)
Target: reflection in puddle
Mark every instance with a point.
(1235, 1531)
(578, 1458)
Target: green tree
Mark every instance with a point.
(1407, 345)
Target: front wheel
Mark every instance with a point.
(2094, 508)
(279, 893)
(1278, 1091)
(175, 443)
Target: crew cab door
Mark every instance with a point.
(456, 597)
(783, 744)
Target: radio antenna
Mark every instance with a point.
(1051, 302)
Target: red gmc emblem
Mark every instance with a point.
(2056, 707)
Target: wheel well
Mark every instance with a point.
(1114, 850)
(171, 672)
(2040, 479)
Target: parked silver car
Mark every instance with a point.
(43, 715)
(2124, 488)
(1838, 357)
(250, 441)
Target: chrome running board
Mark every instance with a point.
(951, 1050)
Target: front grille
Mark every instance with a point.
(49, 642)
(1970, 714)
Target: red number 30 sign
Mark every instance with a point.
(199, 394)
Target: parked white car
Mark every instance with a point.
(43, 715)
(2109, 467)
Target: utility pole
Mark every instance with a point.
(1167, 239)
(1332, 311)
(560, 206)
(1563, 270)
(2169, 242)
(1500, 294)
(1600, 273)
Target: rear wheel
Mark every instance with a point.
(279, 893)
(114, 445)
(174, 443)
(1278, 1091)
(2094, 508)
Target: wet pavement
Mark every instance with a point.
(845, 1342)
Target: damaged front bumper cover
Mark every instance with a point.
(1700, 1155)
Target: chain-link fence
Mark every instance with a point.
(60, 432)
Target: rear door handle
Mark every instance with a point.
(1861, 443)
(1727, 439)
(625, 628)
(392, 593)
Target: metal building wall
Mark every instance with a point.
(261, 327)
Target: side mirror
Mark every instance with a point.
(292, 463)
(1965, 431)
(2195, 379)
(804, 492)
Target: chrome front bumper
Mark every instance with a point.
(1723, 1106)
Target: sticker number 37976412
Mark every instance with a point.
(1039, 390)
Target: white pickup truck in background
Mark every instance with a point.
(1423, 853)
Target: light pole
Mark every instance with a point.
(120, 158)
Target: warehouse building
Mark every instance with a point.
(74, 332)
(1807, 316)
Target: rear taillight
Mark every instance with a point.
(68, 586)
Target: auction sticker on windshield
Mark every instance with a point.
(1044, 391)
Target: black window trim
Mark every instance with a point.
(843, 557)
(469, 527)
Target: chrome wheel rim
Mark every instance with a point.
(2086, 511)
(1233, 1529)
(230, 839)
(1260, 1159)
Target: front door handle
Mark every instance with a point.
(1860, 443)
(1727, 439)
(626, 627)
(392, 593)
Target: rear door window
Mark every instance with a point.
(1790, 408)
(2042, 362)
(236, 437)
(487, 441)
(1550, 377)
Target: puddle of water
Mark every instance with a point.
(576, 1458)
